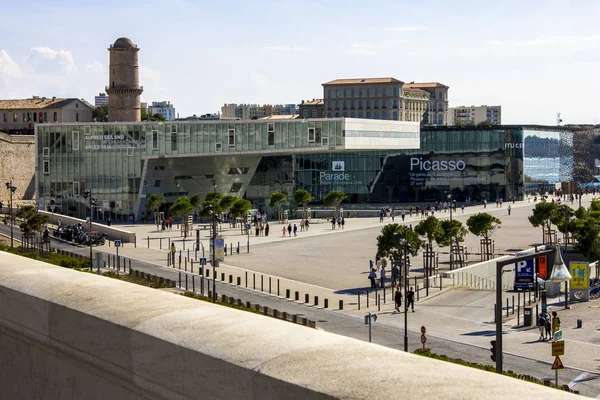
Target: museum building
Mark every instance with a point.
(374, 162)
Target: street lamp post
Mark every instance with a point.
(214, 242)
(568, 213)
(451, 252)
(403, 240)
(11, 189)
(88, 194)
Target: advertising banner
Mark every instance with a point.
(579, 273)
(524, 275)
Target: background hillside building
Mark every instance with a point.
(374, 98)
(314, 108)
(437, 103)
(473, 115)
(165, 108)
(22, 114)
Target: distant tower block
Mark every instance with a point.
(124, 82)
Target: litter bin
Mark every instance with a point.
(528, 316)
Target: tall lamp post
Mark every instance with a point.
(449, 197)
(11, 189)
(88, 195)
(214, 242)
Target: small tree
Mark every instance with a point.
(276, 201)
(391, 246)
(302, 198)
(100, 113)
(154, 203)
(484, 225)
(240, 209)
(543, 213)
(452, 233)
(33, 223)
(334, 199)
(182, 208)
(210, 203)
(226, 203)
(429, 228)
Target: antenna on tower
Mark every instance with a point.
(558, 119)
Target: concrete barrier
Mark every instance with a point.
(157, 345)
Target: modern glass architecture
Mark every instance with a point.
(373, 161)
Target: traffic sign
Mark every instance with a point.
(117, 243)
(370, 318)
(558, 364)
(423, 339)
(203, 261)
(423, 330)
(558, 348)
(52, 202)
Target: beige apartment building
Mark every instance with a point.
(473, 115)
(21, 114)
(437, 103)
(374, 98)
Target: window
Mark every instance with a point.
(384, 115)
(76, 189)
(376, 92)
(130, 151)
(236, 187)
(318, 135)
(376, 115)
(337, 104)
(376, 104)
(352, 105)
(360, 114)
(76, 105)
(395, 92)
(440, 96)
(218, 147)
(368, 92)
(75, 140)
(328, 92)
(24, 117)
(157, 183)
(305, 113)
(324, 141)
(55, 116)
(329, 115)
(351, 92)
(368, 114)
(87, 130)
(46, 151)
(154, 140)
(271, 134)
(360, 105)
(345, 115)
(173, 141)
(14, 117)
(352, 114)
(314, 113)
(45, 116)
(34, 117)
(360, 92)
(344, 93)
(337, 92)
(345, 105)
(231, 137)
(368, 103)
(384, 92)
(311, 135)
(395, 116)
(394, 103)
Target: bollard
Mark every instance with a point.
(417, 286)
(367, 292)
(180, 279)
(287, 293)
(108, 260)
(185, 265)
(238, 248)
(246, 278)
(513, 304)
(269, 285)
(193, 285)
(186, 282)
(507, 308)
(202, 285)
(384, 293)
(222, 276)
(277, 287)
(376, 295)
(230, 278)
(358, 294)
(579, 323)
(254, 281)
(192, 266)
(297, 296)
(239, 281)
(341, 304)
(160, 241)
(248, 304)
(378, 302)
(306, 298)
(261, 283)
(316, 300)
(326, 303)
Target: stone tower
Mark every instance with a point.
(124, 82)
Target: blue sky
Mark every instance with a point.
(535, 58)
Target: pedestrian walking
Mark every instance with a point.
(295, 230)
(555, 324)
(372, 276)
(267, 229)
(289, 229)
(343, 222)
(283, 231)
(382, 276)
(410, 299)
(462, 208)
(301, 225)
(548, 327)
(410, 228)
(173, 251)
(509, 209)
(395, 275)
(108, 221)
(398, 299)
(403, 215)
(333, 223)
(339, 222)
(542, 325)
(306, 224)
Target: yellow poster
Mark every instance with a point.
(579, 274)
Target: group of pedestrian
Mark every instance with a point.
(410, 294)
(410, 299)
(289, 230)
(548, 326)
(167, 224)
(341, 222)
(304, 225)
(261, 228)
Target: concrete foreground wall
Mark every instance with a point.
(73, 335)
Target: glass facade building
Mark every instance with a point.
(374, 162)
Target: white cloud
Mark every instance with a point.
(285, 48)
(96, 67)
(362, 49)
(9, 68)
(496, 42)
(259, 79)
(47, 61)
(409, 28)
(151, 80)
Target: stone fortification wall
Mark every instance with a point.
(72, 335)
(17, 162)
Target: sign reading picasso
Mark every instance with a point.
(433, 172)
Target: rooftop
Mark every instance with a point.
(282, 117)
(123, 43)
(354, 81)
(411, 89)
(424, 85)
(313, 102)
(35, 103)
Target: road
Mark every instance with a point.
(386, 331)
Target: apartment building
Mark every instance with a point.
(374, 98)
(102, 98)
(21, 114)
(474, 115)
(314, 108)
(165, 108)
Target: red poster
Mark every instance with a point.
(542, 268)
